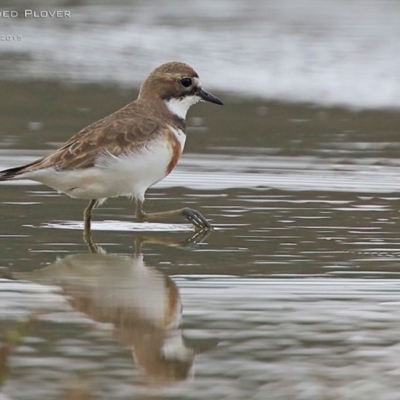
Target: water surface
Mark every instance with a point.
(293, 295)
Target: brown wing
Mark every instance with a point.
(110, 135)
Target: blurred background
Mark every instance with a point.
(326, 52)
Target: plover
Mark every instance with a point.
(128, 151)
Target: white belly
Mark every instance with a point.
(130, 174)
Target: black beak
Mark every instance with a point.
(209, 97)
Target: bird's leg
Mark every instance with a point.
(87, 216)
(193, 216)
(195, 238)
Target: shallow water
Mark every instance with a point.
(294, 295)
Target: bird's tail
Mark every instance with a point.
(16, 172)
(10, 173)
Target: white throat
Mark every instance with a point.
(180, 107)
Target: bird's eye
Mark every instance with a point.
(186, 82)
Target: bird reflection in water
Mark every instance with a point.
(141, 302)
